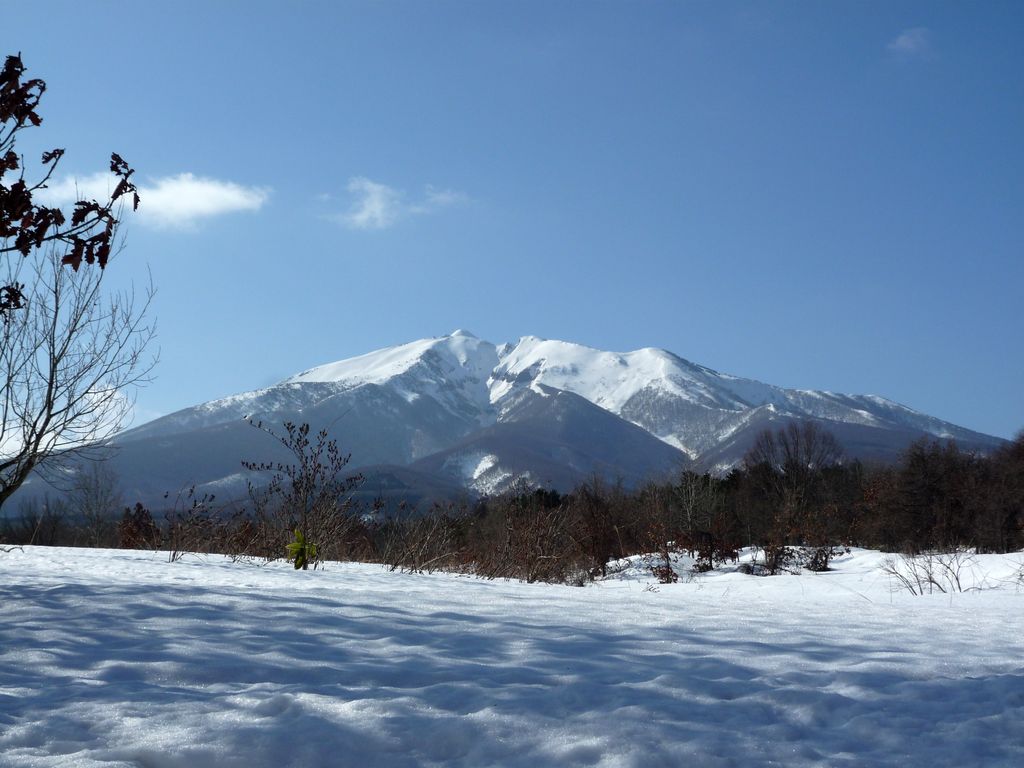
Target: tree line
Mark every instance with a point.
(794, 498)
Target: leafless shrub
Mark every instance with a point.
(425, 544)
(930, 572)
(527, 534)
(194, 525)
(779, 558)
(754, 569)
(138, 529)
(817, 559)
(661, 567)
(532, 535)
(535, 542)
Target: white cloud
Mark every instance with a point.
(179, 201)
(434, 198)
(184, 199)
(378, 206)
(911, 42)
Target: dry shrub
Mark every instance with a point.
(138, 529)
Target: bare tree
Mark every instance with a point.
(69, 353)
(799, 447)
(695, 498)
(70, 359)
(789, 468)
(95, 499)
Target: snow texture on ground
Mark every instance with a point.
(120, 658)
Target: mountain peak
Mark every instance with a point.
(463, 333)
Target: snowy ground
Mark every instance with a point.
(116, 658)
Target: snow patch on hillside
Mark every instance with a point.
(471, 465)
(478, 470)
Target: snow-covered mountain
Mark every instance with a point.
(455, 412)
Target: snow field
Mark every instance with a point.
(119, 658)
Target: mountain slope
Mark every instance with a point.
(553, 438)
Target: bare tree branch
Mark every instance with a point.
(70, 361)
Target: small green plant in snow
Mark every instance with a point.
(302, 552)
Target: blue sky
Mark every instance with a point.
(817, 195)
